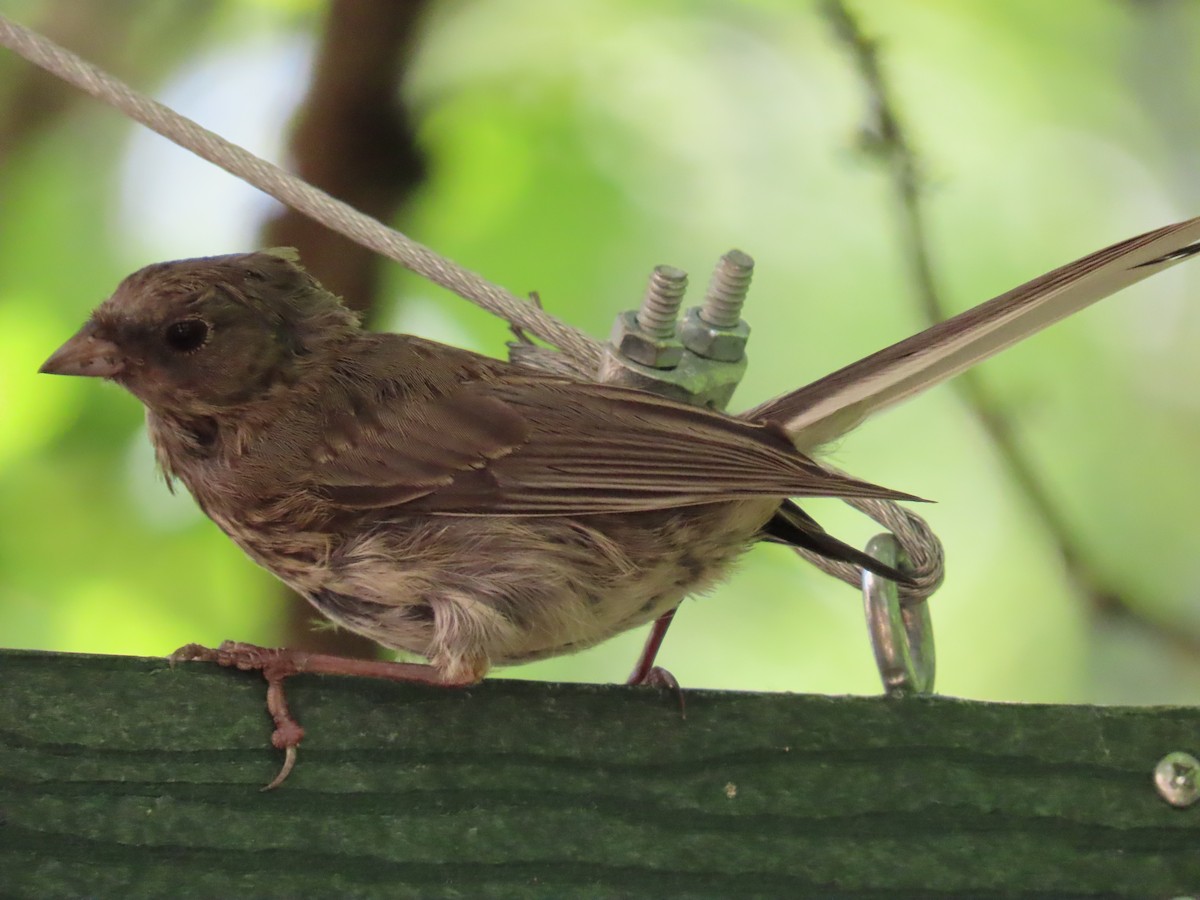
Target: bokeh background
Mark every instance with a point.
(569, 147)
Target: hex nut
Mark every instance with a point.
(712, 341)
(631, 342)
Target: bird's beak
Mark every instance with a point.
(85, 354)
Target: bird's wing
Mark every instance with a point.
(831, 406)
(517, 444)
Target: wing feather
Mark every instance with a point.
(499, 441)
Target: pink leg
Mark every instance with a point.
(646, 672)
(278, 664)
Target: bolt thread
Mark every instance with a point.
(727, 290)
(660, 306)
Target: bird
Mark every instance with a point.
(441, 502)
(478, 512)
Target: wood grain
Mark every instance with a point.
(122, 776)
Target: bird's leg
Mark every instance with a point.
(646, 672)
(278, 664)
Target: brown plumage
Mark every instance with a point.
(477, 512)
(435, 500)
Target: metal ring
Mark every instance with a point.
(902, 636)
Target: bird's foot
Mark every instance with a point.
(276, 664)
(646, 672)
(657, 676)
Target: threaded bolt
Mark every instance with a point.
(727, 290)
(660, 306)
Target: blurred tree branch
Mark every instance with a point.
(354, 139)
(884, 137)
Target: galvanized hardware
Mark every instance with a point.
(901, 635)
(700, 360)
(727, 289)
(727, 345)
(647, 337)
(1177, 778)
(716, 330)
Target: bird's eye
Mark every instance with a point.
(187, 335)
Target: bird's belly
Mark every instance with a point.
(668, 555)
(470, 592)
(582, 619)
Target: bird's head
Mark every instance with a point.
(204, 335)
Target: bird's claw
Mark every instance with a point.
(289, 763)
(192, 653)
(657, 676)
(275, 665)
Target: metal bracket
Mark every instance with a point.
(700, 360)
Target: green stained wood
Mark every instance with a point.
(122, 776)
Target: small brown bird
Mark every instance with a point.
(438, 501)
(476, 512)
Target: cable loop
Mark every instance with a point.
(901, 635)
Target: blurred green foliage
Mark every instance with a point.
(572, 147)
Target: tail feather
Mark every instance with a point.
(830, 407)
(794, 527)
